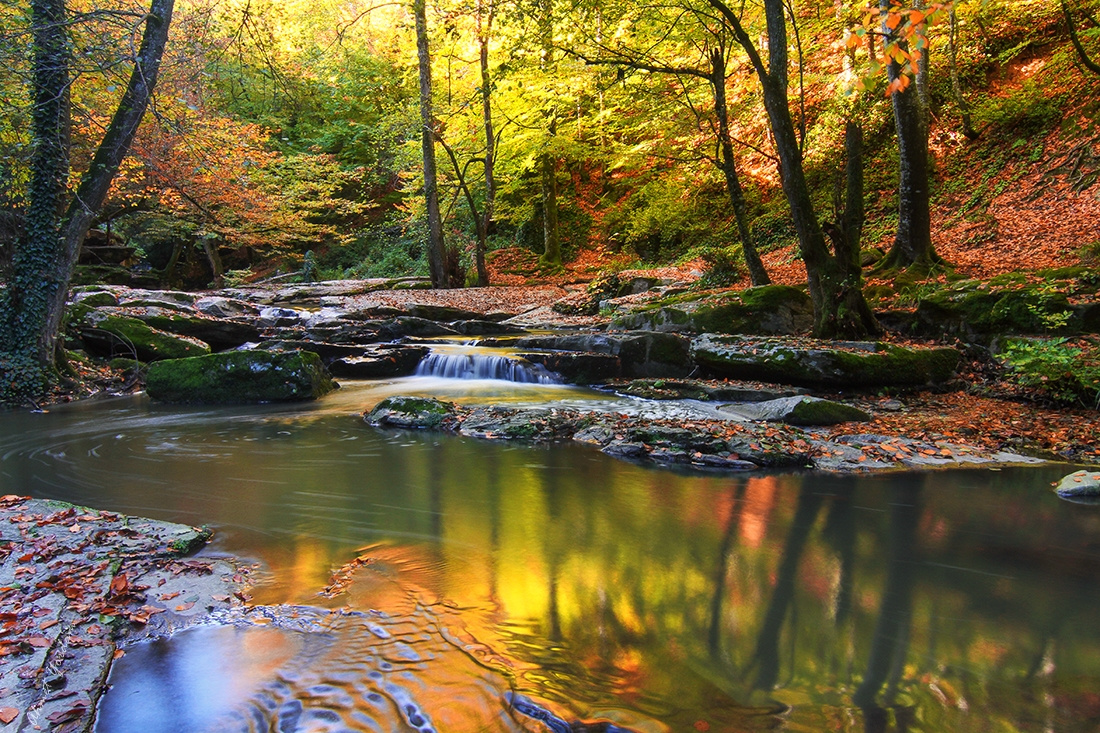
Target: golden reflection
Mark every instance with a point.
(760, 496)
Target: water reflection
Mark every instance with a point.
(951, 601)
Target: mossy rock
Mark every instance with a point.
(764, 310)
(95, 298)
(1006, 304)
(219, 333)
(114, 335)
(813, 363)
(402, 411)
(236, 377)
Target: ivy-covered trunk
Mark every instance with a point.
(43, 261)
(26, 344)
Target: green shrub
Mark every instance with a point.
(1026, 110)
(1056, 368)
(722, 267)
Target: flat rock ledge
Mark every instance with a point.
(76, 585)
(707, 444)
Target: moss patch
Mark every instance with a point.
(122, 336)
(811, 363)
(239, 377)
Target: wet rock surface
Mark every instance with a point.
(1079, 484)
(75, 584)
(700, 442)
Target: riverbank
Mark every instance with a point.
(927, 391)
(75, 585)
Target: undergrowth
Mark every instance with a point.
(1066, 372)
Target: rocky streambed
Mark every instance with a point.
(754, 367)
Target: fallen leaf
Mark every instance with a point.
(38, 641)
(8, 714)
(120, 584)
(119, 654)
(185, 606)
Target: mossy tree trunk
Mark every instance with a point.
(43, 262)
(839, 306)
(27, 362)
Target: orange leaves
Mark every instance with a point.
(904, 29)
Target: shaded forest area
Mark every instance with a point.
(510, 143)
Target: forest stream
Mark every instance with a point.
(488, 586)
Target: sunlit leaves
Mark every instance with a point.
(895, 33)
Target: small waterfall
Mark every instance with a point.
(484, 366)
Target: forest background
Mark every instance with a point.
(289, 137)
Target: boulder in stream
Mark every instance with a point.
(235, 377)
(1079, 484)
(642, 353)
(219, 333)
(403, 411)
(577, 367)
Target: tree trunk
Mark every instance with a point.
(34, 283)
(913, 240)
(210, 248)
(830, 287)
(96, 182)
(757, 274)
(485, 25)
(551, 236)
(1075, 39)
(956, 86)
(437, 263)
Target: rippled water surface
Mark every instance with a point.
(501, 587)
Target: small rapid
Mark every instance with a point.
(455, 364)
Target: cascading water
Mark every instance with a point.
(484, 366)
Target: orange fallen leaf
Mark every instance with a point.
(38, 641)
(185, 606)
(8, 714)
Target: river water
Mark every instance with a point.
(507, 587)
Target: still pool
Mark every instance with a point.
(499, 582)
